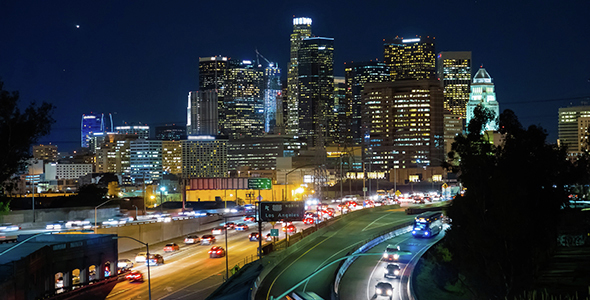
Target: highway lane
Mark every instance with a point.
(190, 273)
(339, 239)
(360, 279)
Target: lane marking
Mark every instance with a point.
(376, 221)
(285, 269)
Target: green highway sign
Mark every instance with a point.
(274, 232)
(259, 184)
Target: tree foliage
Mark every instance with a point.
(19, 131)
(503, 227)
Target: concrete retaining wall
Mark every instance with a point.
(154, 232)
(24, 218)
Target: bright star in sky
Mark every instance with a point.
(77, 26)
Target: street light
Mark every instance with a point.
(147, 249)
(95, 214)
(162, 190)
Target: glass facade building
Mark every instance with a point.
(204, 156)
(301, 30)
(572, 127)
(356, 76)
(315, 87)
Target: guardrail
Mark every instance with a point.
(398, 230)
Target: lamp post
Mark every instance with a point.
(147, 249)
(135, 211)
(95, 214)
(162, 190)
(226, 255)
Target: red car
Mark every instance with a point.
(134, 276)
(250, 219)
(171, 247)
(308, 221)
(216, 251)
(290, 228)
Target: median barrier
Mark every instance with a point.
(399, 230)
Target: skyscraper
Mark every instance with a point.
(202, 113)
(301, 30)
(90, 124)
(356, 76)
(146, 160)
(315, 87)
(272, 97)
(172, 132)
(482, 93)
(244, 104)
(454, 73)
(141, 131)
(403, 124)
(410, 58)
(339, 128)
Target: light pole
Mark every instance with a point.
(95, 214)
(226, 258)
(135, 211)
(162, 190)
(147, 249)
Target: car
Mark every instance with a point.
(268, 237)
(392, 271)
(290, 228)
(250, 219)
(171, 247)
(124, 264)
(155, 260)
(308, 221)
(140, 257)
(56, 225)
(134, 276)
(192, 239)
(216, 252)
(217, 230)
(241, 227)
(207, 239)
(229, 225)
(392, 253)
(7, 227)
(384, 289)
(253, 237)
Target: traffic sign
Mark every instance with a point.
(282, 211)
(259, 184)
(259, 198)
(365, 189)
(274, 232)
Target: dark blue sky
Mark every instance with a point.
(139, 59)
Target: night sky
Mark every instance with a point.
(139, 59)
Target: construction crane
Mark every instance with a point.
(270, 64)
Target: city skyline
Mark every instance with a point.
(111, 58)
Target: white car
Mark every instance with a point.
(124, 264)
(6, 227)
(140, 257)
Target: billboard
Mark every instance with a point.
(282, 210)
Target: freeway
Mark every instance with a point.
(189, 273)
(361, 277)
(340, 238)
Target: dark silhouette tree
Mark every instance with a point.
(19, 131)
(503, 227)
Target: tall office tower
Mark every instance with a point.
(244, 104)
(47, 153)
(482, 93)
(356, 76)
(301, 30)
(339, 128)
(454, 73)
(403, 124)
(141, 131)
(202, 117)
(572, 127)
(410, 58)
(315, 88)
(204, 156)
(453, 127)
(146, 161)
(213, 72)
(273, 102)
(90, 124)
(260, 153)
(171, 132)
(172, 157)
